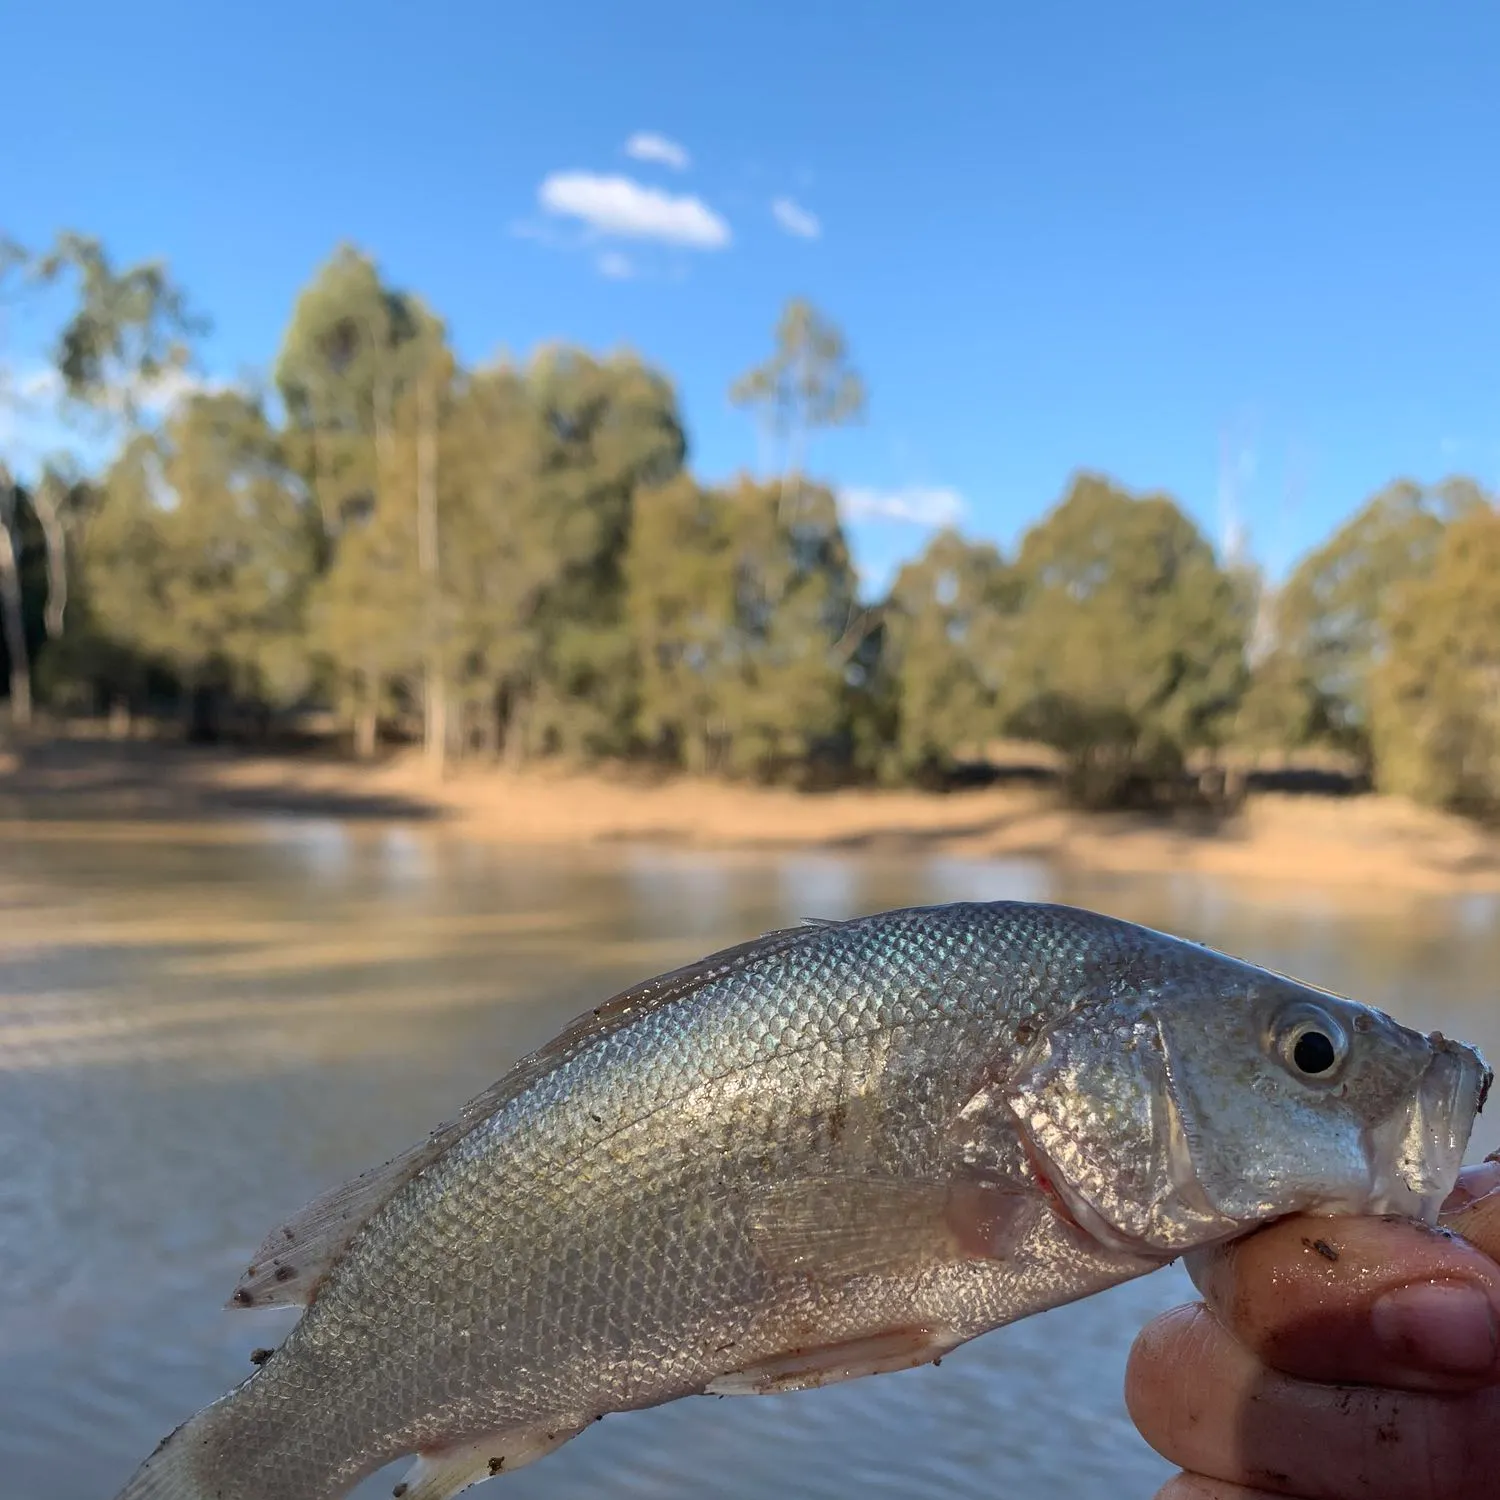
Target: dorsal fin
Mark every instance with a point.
(298, 1253)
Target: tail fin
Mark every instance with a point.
(170, 1474)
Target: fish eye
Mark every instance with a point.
(1314, 1052)
(1311, 1043)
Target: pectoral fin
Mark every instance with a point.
(448, 1471)
(833, 1228)
(806, 1369)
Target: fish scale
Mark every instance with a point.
(837, 1150)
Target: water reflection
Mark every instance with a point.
(201, 1028)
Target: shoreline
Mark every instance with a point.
(1306, 840)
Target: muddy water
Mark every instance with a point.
(201, 1028)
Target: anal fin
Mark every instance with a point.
(828, 1364)
(446, 1472)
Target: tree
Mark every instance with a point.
(128, 331)
(1129, 648)
(1281, 708)
(493, 576)
(353, 347)
(948, 627)
(1435, 694)
(805, 386)
(202, 554)
(353, 356)
(1330, 616)
(543, 465)
(366, 617)
(20, 536)
(739, 612)
(795, 596)
(680, 577)
(431, 386)
(14, 259)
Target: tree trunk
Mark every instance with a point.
(435, 727)
(366, 719)
(45, 503)
(203, 715)
(434, 689)
(488, 715)
(13, 621)
(515, 733)
(365, 731)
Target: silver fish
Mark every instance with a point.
(838, 1150)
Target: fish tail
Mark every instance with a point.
(237, 1449)
(178, 1470)
(169, 1473)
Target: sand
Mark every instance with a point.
(1355, 845)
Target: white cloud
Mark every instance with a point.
(916, 505)
(615, 266)
(39, 424)
(630, 210)
(161, 395)
(796, 220)
(646, 145)
(39, 388)
(35, 426)
(39, 383)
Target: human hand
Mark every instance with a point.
(1336, 1359)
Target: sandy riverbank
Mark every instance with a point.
(1347, 843)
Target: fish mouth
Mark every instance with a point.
(1417, 1154)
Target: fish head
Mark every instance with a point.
(1223, 1097)
(1296, 1100)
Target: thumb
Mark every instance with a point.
(1474, 1209)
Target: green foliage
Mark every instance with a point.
(806, 385)
(1435, 695)
(741, 615)
(359, 366)
(128, 328)
(949, 627)
(23, 586)
(1129, 648)
(542, 466)
(1281, 708)
(202, 553)
(125, 331)
(517, 556)
(680, 577)
(1330, 616)
(353, 348)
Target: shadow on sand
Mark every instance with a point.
(94, 778)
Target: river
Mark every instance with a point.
(202, 1027)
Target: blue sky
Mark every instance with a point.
(1129, 238)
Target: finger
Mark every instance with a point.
(1373, 1301)
(1474, 1212)
(1474, 1183)
(1204, 1402)
(1196, 1487)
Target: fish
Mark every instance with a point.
(839, 1150)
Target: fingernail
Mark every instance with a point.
(1438, 1327)
(1473, 1184)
